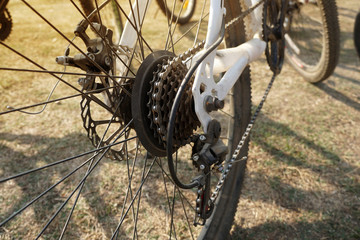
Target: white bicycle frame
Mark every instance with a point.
(230, 60)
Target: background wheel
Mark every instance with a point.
(313, 38)
(183, 9)
(110, 15)
(54, 183)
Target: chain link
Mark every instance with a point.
(243, 14)
(244, 137)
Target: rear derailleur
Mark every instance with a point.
(208, 154)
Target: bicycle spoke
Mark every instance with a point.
(43, 193)
(70, 158)
(130, 177)
(78, 186)
(169, 34)
(57, 77)
(56, 184)
(71, 43)
(187, 31)
(98, 11)
(172, 181)
(186, 216)
(87, 171)
(168, 201)
(64, 73)
(138, 205)
(200, 21)
(50, 101)
(133, 25)
(102, 37)
(133, 199)
(176, 22)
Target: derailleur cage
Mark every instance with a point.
(208, 153)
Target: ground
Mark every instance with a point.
(303, 176)
(303, 172)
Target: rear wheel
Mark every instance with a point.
(54, 184)
(313, 38)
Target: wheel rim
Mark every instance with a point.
(305, 36)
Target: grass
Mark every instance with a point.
(303, 169)
(303, 173)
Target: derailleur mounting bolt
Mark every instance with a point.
(202, 167)
(213, 104)
(202, 138)
(196, 157)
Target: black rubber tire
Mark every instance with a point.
(328, 60)
(357, 34)
(185, 16)
(220, 223)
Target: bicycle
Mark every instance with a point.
(176, 120)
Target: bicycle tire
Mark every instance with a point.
(315, 60)
(182, 15)
(160, 199)
(357, 34)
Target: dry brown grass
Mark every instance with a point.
(303, 173)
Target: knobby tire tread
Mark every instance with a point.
(331, 51)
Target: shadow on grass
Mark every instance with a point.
(103, 194)
(339, 96)
(340, 212)
(42, 151)
(327, 229)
